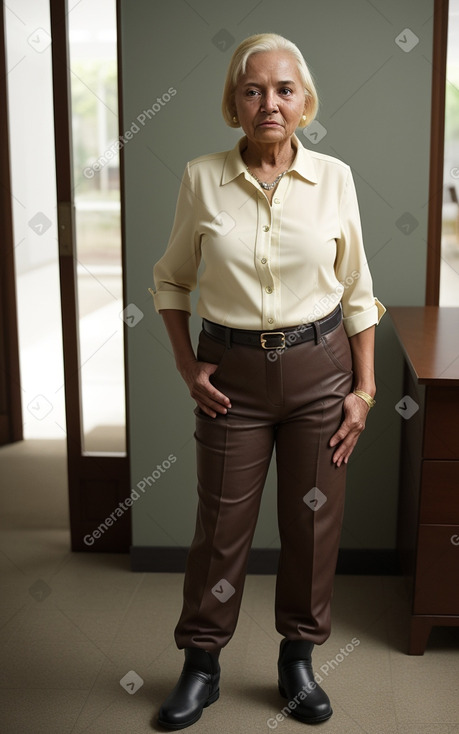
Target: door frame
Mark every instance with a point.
(10, 380)
(98, 482)
(437, 151)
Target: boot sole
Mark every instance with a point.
(305, 719)
(175, 727)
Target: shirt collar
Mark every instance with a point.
(303, 163)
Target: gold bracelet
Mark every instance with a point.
(371, 402)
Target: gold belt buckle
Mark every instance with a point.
(267, 335)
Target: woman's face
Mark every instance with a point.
(269, 97)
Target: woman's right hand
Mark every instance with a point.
(210, 400)
(196, 374)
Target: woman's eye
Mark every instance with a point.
(285, 92)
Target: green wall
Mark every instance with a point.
(375, 107)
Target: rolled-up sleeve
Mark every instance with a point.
(360, 307)
(175, 274)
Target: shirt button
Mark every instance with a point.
(277, 201)
(268, 289)
(264, 260)
(266, 228)
(270, 321)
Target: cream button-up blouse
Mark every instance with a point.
(268, 266)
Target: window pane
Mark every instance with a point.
(92, 29)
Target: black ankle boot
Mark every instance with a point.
(197, 687)
(296, 682)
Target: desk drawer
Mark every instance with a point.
(436, 589)
(441, 423)
(440, 492)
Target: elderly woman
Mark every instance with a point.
(285, 360)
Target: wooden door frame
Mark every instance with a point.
(437, 151)
(10, 380)
(98, 483)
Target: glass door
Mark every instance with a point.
(90, 256)
(96, 180)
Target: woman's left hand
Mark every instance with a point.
(355, 415)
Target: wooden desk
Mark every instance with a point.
(428, 519)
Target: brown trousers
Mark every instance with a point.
(293, 401)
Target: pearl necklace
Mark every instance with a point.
(263, 184)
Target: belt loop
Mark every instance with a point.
(316, 327)
(228, 337)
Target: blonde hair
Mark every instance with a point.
(262, 42)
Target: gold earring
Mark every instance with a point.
(235, 120)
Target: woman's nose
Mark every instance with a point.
(269, 102)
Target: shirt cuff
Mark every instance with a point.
(173, 300)
(363, 320)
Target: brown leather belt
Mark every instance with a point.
(275, 339)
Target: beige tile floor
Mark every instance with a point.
(72, 626)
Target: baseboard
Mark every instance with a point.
(368, 562)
